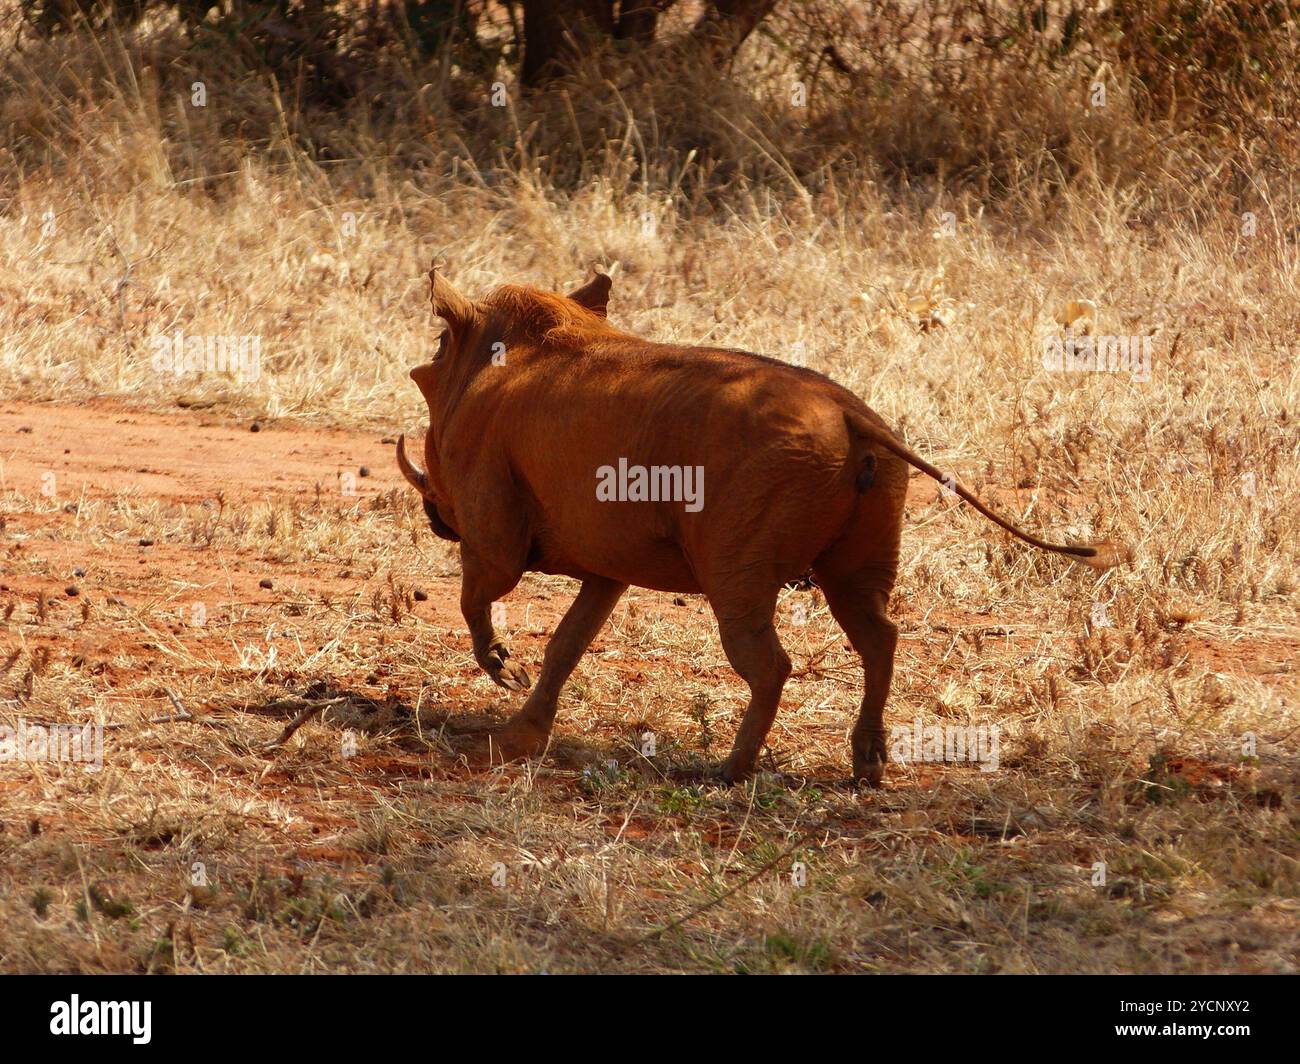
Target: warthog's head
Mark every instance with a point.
(482, 332)
(479, 333)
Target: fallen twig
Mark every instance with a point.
(181, 714)
(301, 719)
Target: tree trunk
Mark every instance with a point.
(726, 24)
(555, 32)
(638, 19)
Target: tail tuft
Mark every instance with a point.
(1106, 554)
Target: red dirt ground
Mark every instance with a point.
(104, 449)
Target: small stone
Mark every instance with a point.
(266, 583)
(255, 427)
(420, 596)
(72, 591)
(146, 543)
(364, 471)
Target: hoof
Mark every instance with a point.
(517, 740)
(869, 770)
(872, 776)
(505, 672)
(733, 773)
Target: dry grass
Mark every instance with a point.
(1122, 743)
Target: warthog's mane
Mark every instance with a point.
(544, 317)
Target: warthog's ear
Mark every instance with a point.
(423, 377)
(594, 295)
(452, 307)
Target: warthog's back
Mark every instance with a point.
(642, 462)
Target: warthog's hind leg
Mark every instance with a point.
(859, 607)
(481, 585)
(751, 645)
(527, 732)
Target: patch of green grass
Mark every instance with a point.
(970, 877)
(41, 898)
(785, 951)
(679, 800)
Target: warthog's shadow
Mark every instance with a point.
(463, 735)
(440, 729)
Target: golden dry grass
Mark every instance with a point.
(1123, 743)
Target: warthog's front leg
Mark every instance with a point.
(480, 586)
(527, 732)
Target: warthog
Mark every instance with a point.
(546, 428)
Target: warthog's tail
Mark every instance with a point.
(1099, 555)
(420, 483)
